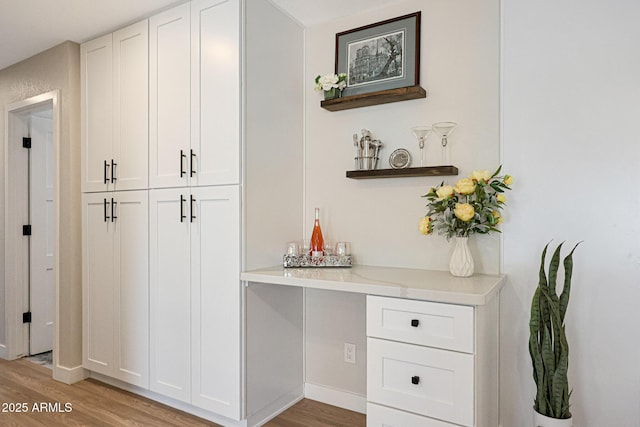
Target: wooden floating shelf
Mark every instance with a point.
(406, 172)
(374, 98)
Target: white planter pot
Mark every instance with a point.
(540, 420)
(461, 264)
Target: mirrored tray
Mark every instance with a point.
(308, 261)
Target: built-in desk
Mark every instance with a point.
(432, 341)
(426, 285)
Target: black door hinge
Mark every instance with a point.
(26, 317)
(26, 142)
(26, 230)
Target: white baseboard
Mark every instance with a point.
(185, 407)
(3, 351)
(276, 407)
(69, 375)
(335, 397)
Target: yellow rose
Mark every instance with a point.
(425, 225)
(497, 216)
(508, 179)
(464, 211)
(444, 192)
(501, 198)
(482, 175)
(465, 186)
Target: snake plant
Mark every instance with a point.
(548, 345)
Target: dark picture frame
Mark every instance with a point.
(380, 56)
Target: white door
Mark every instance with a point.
(169, 98)
(131, 107)
(42, 241)
(170, 294)
(215, 97)
(132, 286)
(216, 299)
(98, 282)
(96, 59)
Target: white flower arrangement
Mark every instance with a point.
(331, 81)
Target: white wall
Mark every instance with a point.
(56, 68)
(460, 71)
(570, 137)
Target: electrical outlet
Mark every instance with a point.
(349, 352)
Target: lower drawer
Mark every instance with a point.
(381, 416)
(423, 380)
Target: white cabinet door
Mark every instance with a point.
(132, 287)
(216, 298)
(131, 107)
(169, 98)
(215, 97)
(170, 296)
(98, 283)
(96, 73)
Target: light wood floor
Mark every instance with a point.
(97, 404)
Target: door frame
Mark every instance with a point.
(16, 272)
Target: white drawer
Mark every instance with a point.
(381, 416)
(432, 324)
(424, 380)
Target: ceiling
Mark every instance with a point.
(28, 27)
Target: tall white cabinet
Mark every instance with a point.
(207, 186)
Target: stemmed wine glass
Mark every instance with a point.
(444, 129)
(421, 133)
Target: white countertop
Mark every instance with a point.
(428, 285)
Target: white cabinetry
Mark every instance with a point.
(195, 95)
(115, 285)
(432, 360)
(114, 75)
(195, 296)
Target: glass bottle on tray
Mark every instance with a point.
(317, 242)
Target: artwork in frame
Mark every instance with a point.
(380, 56)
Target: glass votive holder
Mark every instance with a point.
(293, 248)
(343, 248)
(328, 247)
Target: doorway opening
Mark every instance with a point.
(31, 232)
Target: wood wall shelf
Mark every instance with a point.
(374, 98)
(407, 172)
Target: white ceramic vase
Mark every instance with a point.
(540, 420)
(461, 264)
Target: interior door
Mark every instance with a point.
(42, 243)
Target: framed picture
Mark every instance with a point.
(380, 56)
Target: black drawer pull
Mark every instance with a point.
(113, 171)
(106, 165)
(182, 215)
(182, 156)
(113, 208)
(415, 380)
(415, 323)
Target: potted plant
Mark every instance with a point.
(471, 206)
(548, 345)
(331, 84)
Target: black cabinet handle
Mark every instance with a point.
(113, 213)
(193, 160)
(113, 171)
(193, 199)
(182, 156)
(106, 165)
(415, 380)
(182, 215)
(106, 218)
(415, 323)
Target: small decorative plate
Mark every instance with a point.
(400, 159)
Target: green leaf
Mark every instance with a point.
(497, 171)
